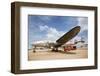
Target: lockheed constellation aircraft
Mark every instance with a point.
(64, 39)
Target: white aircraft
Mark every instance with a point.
(61, 41)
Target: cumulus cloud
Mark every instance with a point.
(83, 22)
(43, 28)
(45, 18)
(51, 33)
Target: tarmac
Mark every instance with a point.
(49, 55)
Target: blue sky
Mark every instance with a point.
(51, 28)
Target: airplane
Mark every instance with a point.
(63, 39)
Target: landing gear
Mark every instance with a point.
(34, 49)
(55, 49)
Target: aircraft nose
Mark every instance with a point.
(78, 28)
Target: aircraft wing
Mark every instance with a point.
(68, 36)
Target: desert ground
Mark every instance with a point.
(48, 55)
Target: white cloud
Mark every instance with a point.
(45, 18)
(43, 28)
(52, 34)
(83, 22)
